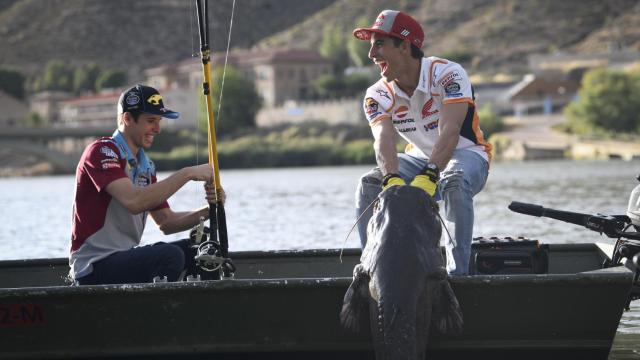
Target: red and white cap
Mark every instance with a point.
(394, 23)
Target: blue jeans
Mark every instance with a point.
(464, 177)
(142, 263)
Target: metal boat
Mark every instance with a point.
(285, 305)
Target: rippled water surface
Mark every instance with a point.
(314, 208)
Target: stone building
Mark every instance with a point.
(47, 105)
(555, 79)
(282, 75)
(13, 110)
(279, 75)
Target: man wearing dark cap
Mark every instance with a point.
(116, 188)
(429, 102)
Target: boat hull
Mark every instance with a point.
(286, 305)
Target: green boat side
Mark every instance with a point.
(285, 304)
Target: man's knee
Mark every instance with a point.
(369, 186)
(170, 259)
(172, 254)
(372, 177)
(455, 183)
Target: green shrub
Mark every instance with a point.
(608, 102)
(357, 152)
(490, 122)
(293, 145)
(110, 79)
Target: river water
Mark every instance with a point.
(303, 208)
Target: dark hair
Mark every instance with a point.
(416, 53)
(135, 115)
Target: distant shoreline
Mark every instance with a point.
(15, 163)
(47, 169)
(39, 169)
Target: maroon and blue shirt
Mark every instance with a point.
(101, 225)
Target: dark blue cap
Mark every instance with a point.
(144, 99)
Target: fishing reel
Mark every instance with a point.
(209, 258)
(199, 234)
(209, 252)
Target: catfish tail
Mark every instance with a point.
(356, 301)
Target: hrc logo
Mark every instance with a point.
(154, 99)
(426, 109)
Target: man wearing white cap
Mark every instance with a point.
(429, 101)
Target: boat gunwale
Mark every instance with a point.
(288, 253)
(618, 274)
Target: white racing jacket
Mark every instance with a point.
(416, 118)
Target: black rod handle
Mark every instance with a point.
(537, 210)
(203, 24)
(527, 209)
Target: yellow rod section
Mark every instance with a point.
(213, 152)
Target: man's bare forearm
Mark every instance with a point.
(384, 146)
(183, 220)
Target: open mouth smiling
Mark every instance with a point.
(383, 66)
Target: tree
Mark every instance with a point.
(490, 122)
(12, 83)
(329, 86)
(333, 46)
(359, 50)
(58, 76)
(110, 79)
(608, 101)
(84, 78)
(356, 84)
(33, 119)
(240, 102)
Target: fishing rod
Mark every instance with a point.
(213, 255)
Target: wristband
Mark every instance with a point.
(431, 171)
(392, 180)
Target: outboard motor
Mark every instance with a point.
(627, 248)
(633, 209)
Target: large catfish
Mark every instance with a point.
(401, 277)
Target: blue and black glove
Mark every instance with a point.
(427, 179)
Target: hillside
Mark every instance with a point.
(132, 35)
(498, 35)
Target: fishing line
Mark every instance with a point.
(194, 53)
(354, 225)
(226, 58)
(190, 11)
(455, 243)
